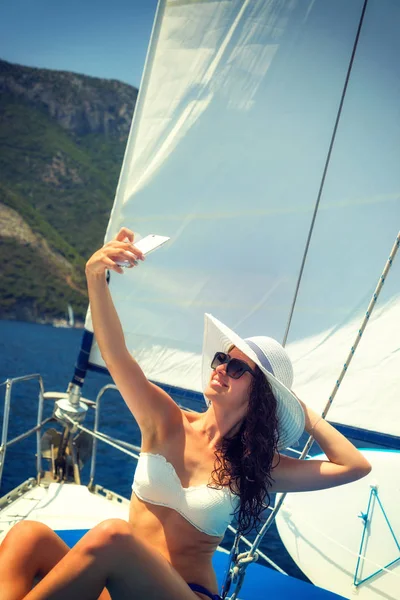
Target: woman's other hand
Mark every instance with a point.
(311, 417)
(120, 249)
(345, 463)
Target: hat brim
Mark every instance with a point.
(218, 338)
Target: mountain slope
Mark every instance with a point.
(62, 139)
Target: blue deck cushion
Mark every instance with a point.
(71, 536)
(260, 582)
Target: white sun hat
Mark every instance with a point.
(273, 361)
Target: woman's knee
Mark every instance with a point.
(110, 535)
(113, 531)
(27, 535)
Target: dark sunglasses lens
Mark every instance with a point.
(219, 359)
(236, 368)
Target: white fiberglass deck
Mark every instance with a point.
(61, 506)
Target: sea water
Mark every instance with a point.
(28, 348)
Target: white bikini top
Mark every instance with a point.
(209, 510)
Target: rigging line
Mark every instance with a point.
(370, 308)
(100, 437)
(348, 550)
(328, 158)
(264, 556)
(364, 323)
(367, 316)
(360, 332)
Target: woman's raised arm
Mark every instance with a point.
(345, 463)
(153, 409)
(106, 323)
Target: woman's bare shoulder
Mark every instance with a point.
(190, 415)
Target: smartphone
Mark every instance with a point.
(146, 245)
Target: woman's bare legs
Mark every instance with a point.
(30, 550)
(111, 555)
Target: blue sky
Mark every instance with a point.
(95, 37)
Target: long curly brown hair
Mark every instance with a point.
(244, 460)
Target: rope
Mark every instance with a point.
(366, 517)
(240, 572)
(348, 550)
(259, 552)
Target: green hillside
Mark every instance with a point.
(40, 292)
(62, 139)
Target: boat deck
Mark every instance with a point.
(71, 510)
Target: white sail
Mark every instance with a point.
(227, 154)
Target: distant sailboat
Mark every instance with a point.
(69, 321)
(71, 318)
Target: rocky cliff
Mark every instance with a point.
(80, 104)
(62, 139)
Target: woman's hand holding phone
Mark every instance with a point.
(111, 255)
(146, 245)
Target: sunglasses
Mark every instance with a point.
(235, 367)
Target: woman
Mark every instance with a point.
(192, 471)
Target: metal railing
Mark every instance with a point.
(6, 418)
(97, 435)
(121, 445)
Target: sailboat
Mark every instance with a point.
(69, 321)
(71, 318)
(265, 145)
